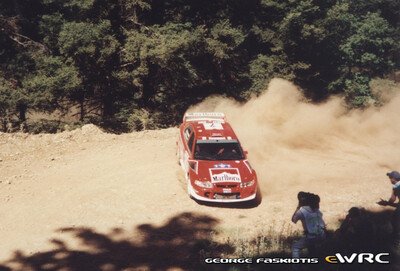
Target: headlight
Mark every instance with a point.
(247, 184)
(206, 184)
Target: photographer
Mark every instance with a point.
(394, 178)
(311, 218)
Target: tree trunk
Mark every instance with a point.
(22, 108)
(107, 103)
(3, 125)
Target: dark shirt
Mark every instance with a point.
(396, 189)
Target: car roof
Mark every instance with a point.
(210, 126)
(211, 130)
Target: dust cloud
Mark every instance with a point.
(297, 145)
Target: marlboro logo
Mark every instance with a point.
(225, 175)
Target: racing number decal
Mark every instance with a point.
(214, 125)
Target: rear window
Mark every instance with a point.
(218, 150)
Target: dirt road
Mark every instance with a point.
(87, 178)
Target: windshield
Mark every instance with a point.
(214, 150)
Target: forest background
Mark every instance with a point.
(136, 64)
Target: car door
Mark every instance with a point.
(188, 142)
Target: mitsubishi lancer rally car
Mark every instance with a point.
(215, 166)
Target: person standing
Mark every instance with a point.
(311, 218)
(394, 178)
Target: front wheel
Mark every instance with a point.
(257, 200)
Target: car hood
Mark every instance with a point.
(236, 171)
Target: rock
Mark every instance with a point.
(90, 129)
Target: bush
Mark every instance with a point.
(50, 126)
(45, 126)
(141, 120)
(357, 90)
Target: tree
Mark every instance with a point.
(93, 51)
(51, 84)
(153, 57)
(150, 60)
(368, 52)
(371, 47)
(6, 99)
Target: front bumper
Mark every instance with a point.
(196, 196)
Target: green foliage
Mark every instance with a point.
(6, 96)
(371, 47)
(358, 91)
(141, 63)
(79, 4)
(93, 51)
(49, 27)
(86, 41)
(45, 126)
(264, 68)
(140, 120)
(132, 7)
(223, 40)
(53, 80)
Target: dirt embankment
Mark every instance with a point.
(87, 178)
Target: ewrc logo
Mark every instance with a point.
(358, 258)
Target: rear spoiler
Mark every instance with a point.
(204, 116)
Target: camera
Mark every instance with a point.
(308, 199)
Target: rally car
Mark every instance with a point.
(215, 166)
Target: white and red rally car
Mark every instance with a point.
(216, 167)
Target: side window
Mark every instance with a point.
(190, 142)
(187, 133)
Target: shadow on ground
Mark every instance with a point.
(186, 240)
(183, 242)
(361, 231)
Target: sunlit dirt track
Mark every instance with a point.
(87, 178)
